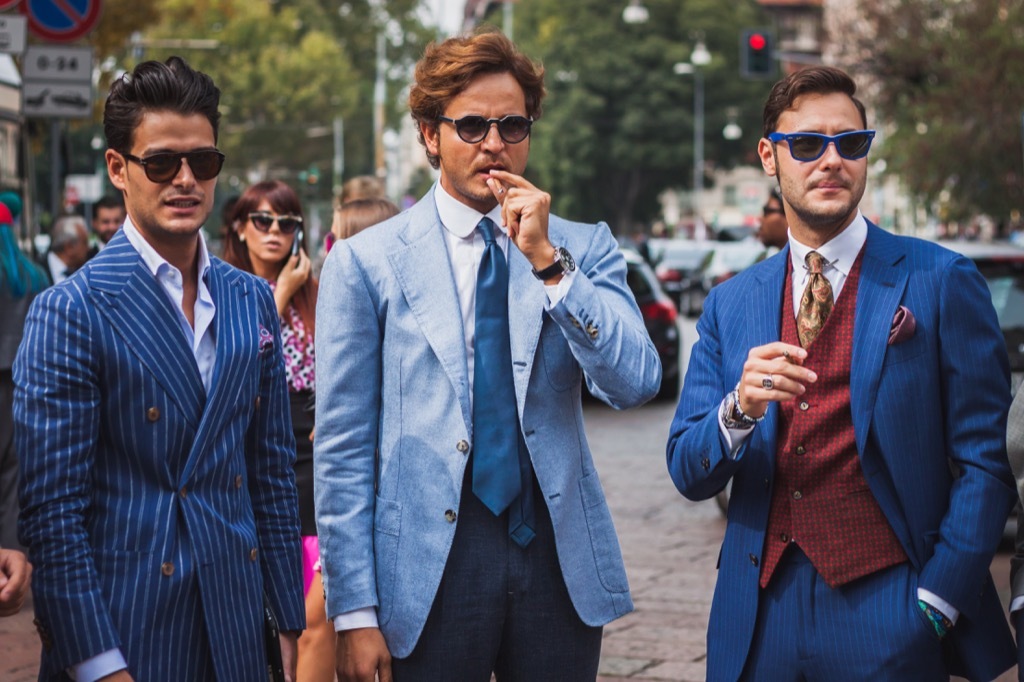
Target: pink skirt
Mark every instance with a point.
(310, 561)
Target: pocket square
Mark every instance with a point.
(903, 326)
(266, 340)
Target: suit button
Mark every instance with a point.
(592, 330)
(183, 492)
(767, 484)
(783, 537)
(153, 414)
(238, 481)
(252, 554)
(753, 559)
(450, 516)
(706, 463)
(167, 568)
(575, 322)
(805, 406)
(800, 450)
(257, 402)
(798, 495)
(462, 446)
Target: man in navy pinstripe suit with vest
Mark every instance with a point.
(854, 388)
(157, 496)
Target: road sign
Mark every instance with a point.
(61, 20)
(57, 100)
(12, 34)
(54, 63)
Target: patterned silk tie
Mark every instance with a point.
(816, 302)
(496, 476)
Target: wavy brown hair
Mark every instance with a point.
(816, 80)
(283, 200)
(447, 68)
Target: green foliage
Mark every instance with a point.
(948, 78)
(618, 122)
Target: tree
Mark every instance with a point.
(946, 77)
(618, 123)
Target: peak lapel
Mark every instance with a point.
(764, 312)
(527, 300)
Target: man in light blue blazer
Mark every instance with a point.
(424, 578)
(157, 496)
(854, 388)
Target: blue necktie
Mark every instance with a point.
(501, 467)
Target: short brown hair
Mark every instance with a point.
(447, 68)
(816, 80)
(357, 215)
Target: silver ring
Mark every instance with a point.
(501, 190)
(767, 383)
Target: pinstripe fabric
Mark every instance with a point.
(940, 397)
(129, 469)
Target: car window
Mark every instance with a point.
(637, 283)
(1006, 282)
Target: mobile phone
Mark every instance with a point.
(297, 243)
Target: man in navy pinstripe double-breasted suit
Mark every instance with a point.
(854, 388)
(158, 500)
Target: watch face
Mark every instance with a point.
(568, 264)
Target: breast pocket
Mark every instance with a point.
(560, 366)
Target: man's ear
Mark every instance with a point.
(431, 138)
(766, 150)
(117, 169)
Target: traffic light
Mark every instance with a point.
(756, 58)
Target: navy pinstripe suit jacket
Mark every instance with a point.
(938, 399)
(156, 515)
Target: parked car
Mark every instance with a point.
(730, 259)
(680, 270)
(659, 313)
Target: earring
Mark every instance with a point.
(241, 237)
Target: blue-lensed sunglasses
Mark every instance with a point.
(810, 146)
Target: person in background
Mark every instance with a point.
(854, 389)
(69, 247)
(158, 501)
(108, 216)
(355, 216)
(463, 526)
(20, 280)
(774, 229)
(360, 187)
(15, 579)
(267, 239)
(1015, 453)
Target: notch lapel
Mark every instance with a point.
(527, 300)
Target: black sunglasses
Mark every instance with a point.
(165, 166)
(473, 129)
(810, 146)
(769, 210)
(262, 221)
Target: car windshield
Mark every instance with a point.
(1006, 282)
(685, 255)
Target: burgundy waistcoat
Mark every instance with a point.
(821, 500)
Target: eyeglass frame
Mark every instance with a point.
(826, 140)
(275, 218)
(490, 121)
(767, 210)
(144, 161)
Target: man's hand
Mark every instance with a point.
(524, 211)
(15, 577)
(289, 653)
(773, 372)
(362, 653)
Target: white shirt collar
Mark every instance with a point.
(153, 260)
(840, 252)
(460, 220)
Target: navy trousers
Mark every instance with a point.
(501, 608)
(869, 629)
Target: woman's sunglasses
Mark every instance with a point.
(263, 221)
(473, 129)
(165, 166)
(810, 146)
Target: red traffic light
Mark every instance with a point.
(757, 41)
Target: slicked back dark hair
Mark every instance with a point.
(817, 80)
(172, 86)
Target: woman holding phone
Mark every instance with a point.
(266, 238)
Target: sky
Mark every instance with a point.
(446, 13)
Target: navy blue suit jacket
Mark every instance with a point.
(930, 422)
(155, 514)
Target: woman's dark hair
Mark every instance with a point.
(157, 86)
(284, 201)
(816, 80)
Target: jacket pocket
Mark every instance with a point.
(560, 367)
(386, 526)
(603, 540)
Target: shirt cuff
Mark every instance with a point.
(365, 617)
(99, 666)
(1017, 604)
(938, 602)
(734, 438)
(556, 292)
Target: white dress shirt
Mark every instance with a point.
(465, 251)
(204, 348)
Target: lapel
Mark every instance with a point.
(424, 273)
(138, 309)
(763, 320)
(883, 279)
(527, 301)
(236, 332)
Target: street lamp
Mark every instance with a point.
(635, 13)
(700, 57)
